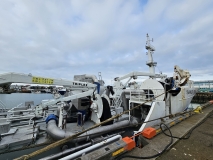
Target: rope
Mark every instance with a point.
(60, 142)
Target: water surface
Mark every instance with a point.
(13, 99)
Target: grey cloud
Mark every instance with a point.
(60, 39)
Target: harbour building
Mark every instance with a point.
(204, 86)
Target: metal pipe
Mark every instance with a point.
(131, 74)
(68, 98)
(57, 133)
(75, 149)
(93, 147)
(67, 151)
(20, 117)
(122, 118)
(16, 111)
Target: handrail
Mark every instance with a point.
(143, 94)
(12, 111)
(21, 104)
(3, 106)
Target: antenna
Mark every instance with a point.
(147, 35)
(99, 76)
(151, 50)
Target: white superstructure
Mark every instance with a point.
(175, 95)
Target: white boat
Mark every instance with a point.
(62, 91)
(87, 103)
(175, 92)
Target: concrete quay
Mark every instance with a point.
(199, 146)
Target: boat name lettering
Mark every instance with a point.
(42, 80)
(191, 91)
(79, 84)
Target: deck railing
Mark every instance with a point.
(3, 106)
(144, 94)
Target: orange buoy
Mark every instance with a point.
(149, 132)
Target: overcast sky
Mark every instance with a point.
(59, 39)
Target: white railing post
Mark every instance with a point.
(3, 106)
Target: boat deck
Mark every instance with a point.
(17, 136)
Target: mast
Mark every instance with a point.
(151, 50)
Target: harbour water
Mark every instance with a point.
(194, 105)
(14, 99)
